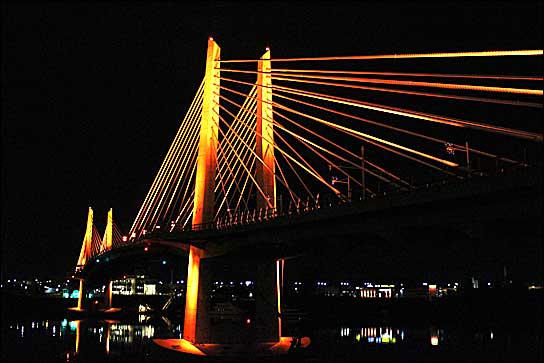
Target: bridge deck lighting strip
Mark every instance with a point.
(493, 53)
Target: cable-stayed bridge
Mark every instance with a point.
(274, 155)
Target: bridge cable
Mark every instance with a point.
(495, 53)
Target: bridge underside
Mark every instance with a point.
(458, 227)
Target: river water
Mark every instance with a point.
(63, 340)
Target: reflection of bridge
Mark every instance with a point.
(264, 170)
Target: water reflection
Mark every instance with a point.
(390, 335)
(131, 340)
(374, 334)
(84, 340)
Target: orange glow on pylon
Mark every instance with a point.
(107, 241)
(203, 211)
(264, 146)
(85, 253)
(191, 300)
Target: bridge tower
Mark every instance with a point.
(195, 323)
(264, 135)
(87, 242)
(107, 241)
(84, 255)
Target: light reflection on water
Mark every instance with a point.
(91, 340)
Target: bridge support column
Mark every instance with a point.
(81, 294)
(268, 291)
(196, 326)
(108, 296)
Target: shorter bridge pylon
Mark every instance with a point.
(91, 242)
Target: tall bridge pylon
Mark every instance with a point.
(196, 327)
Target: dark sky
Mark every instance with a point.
(93, 93)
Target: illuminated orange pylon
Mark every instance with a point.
(85, 253)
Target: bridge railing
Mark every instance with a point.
(247, 218)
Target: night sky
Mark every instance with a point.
(93, 93)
